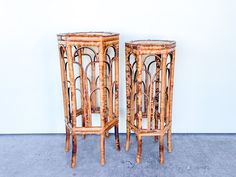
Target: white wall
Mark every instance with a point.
(205, 32)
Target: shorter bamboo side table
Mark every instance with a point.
(149, 91)
(90, 84)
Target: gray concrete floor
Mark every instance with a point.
(44, 156)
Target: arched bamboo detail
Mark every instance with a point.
(101, 51)
(149, 77)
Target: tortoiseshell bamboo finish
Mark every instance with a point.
(90, 85)
(149, 91)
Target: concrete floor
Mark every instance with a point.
(44, 156)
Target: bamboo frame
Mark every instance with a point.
(155, 88)
(71, 47)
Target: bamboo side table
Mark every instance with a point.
(149, 91)
(90, 84)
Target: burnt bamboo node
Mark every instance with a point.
(89, 64)
(149, 92)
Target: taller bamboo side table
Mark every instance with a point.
(149, 91)
(90, 84)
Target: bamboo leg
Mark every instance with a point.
(65, 95)
(67, 148)
(74, 150)
(139, 105)
(102, 146)
(161, 149)
(169, 141)
(127, 144)
(156, 118)
(102, 100)
(156, 127)
(128, 100)
(162, 115)
(117, 137)
(73, 103)
(117, 96)
(139, 151)
(132, 119)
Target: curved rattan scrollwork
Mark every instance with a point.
(88, 77)
(149, 92)
(151, 87)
